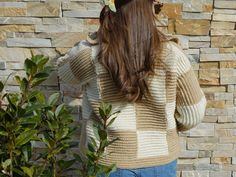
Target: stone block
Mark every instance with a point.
(209, 73)
(204, 153)
(49, 52)
(208, 7)
(213, 89)
(203, 129)
(51, 28)
(209, 119)
(199, 38)
(228, 50)
(218, 57)
(222, 41)
(14, 54)
(82, 13)
(193, 6)
(223, 96)
(220, 174)
(17, 28)
(222, 25)
(227, 139)
(200, 16)
(67, 40)
(12, 9)
(224, 17)
(188, 154)
(226, 126)
(222, 133)
(234, 160)
(209, 82)
(227, 64)
(225, 4)
(172, 10)
(209, 50)
(20, 20)
(28, 42)
(2, 65)
(223, 32)
(194, 161)
(198, 44)
(220, 160)
(224, 153)
(224, 119)
(192, 27)
(225, 11)
(195, 173)
(228, 76)
(215, 104)
(43, 9)
(209, 65)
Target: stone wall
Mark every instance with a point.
(207, 32)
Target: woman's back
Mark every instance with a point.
(147, 129)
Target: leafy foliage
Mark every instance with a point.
(96, 150)
(28, 117)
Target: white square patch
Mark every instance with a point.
(126, 119)
(152, 143)
(170, 109)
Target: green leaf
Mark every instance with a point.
(102, 134)
(25, 137)
(6, 163)
(111, 121)
(38, 81)
(77, 157)
(48, 141)
(105, 110)
(1, 86)
(50, 115)
(62, 133)
(112, 141)
(27, 152)
(59, 109)
(93, 141)
(28, 171)
(41, 75)
(23, 85)
(3, 133)
(40, 97)
(63, 164)
(53, 99)
(53, 125)
(30, 67)
(108, 109)
(95, 131)
(18, 79)
(42, 62)
(91, 147)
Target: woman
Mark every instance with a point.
(129, 63)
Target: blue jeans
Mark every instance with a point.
(167, 170)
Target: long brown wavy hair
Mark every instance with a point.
(129, 46)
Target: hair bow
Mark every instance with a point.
(110, 4)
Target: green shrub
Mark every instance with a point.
(28, 117)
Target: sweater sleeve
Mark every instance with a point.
(76, 66)
(190, 98)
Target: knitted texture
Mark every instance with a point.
(147, 129)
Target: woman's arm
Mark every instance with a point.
(76, 66)
(190, 99)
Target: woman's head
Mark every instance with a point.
(130, 43)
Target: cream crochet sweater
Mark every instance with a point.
(148, 130)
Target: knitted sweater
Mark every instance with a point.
(147, 129)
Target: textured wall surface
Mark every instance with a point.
(207, 32)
